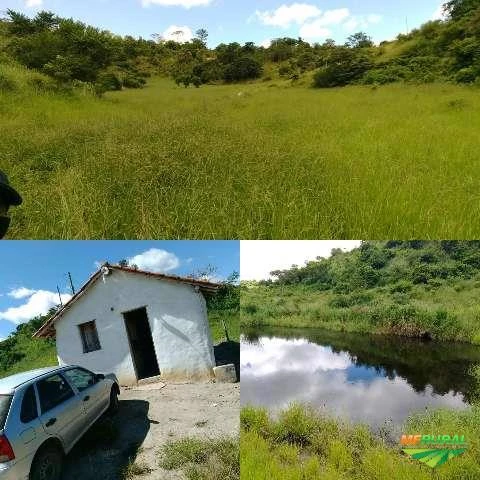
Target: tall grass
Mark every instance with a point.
(202, 459)
(273, 162)
(303, 445)
(447, 311)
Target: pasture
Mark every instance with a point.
(251, 161)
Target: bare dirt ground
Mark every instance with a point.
(148, 417)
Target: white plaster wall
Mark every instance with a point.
(177, 316)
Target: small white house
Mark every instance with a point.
(137, 325)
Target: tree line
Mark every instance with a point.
(395, 264)
(72, 52)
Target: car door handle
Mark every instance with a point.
(51, 422)
(86, 399)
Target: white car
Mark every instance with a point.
(43, 414)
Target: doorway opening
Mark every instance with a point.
(141, 343)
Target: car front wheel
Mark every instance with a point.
(113, 408)
(47, 464)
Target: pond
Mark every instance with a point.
(371, 379)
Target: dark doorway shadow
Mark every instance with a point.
(110, 444)
(226, 353)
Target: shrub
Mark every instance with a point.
(466, 75)
(255, 419)
(402, 286)
(42, 83)
(133, 81)
(243, 68)
(345, 301)
(7, 84)
(346, 66)
(295, 426)
(251, 309)
(108, 81)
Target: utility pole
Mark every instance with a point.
(406, 23)
(59, 296)
(71, 283)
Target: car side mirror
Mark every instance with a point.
(99, 376)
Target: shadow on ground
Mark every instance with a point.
(226, 353)
(107, 448)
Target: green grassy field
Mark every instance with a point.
(244, 161)
(447, 311)
(303, 445)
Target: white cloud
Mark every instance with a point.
(286, 15)
(374, 18)
(313, 22)
(266, 43)
(33, 3)
(21, 292)
(293, 355)
(334, 17)
(359, 22)
(38, 302)
(439, 13)
(314, 30)
(178, 34)
(155, 260)
(175, 3)
(319, 28)
(259, 258)
(302, 14)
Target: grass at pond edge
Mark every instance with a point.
(302, 444)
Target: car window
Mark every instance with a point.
(29, 406)
(5, 401)
(53, 391)
(82, 379)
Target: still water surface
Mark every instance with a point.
(370, 379)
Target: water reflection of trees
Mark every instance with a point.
(443, 366)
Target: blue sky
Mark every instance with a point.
(242, 21)
(31, 271)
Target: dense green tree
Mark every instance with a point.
(359, 40)
(202, 35)
(345, 65)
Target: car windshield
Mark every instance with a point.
(5, 401)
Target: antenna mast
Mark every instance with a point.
(71, 283)
(59, 296)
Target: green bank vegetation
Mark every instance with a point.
(425, 289)
(265, 158)
(301, 444)
(21, 352)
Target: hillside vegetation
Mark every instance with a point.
(427, 289)
(70, 51)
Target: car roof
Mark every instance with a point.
(9, 384)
